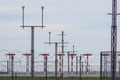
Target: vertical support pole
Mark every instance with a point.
(104, 71)
(23, 16)
(60, 65)
(56, 61)
(7, 66)
(73, 49)
(62, 51)
(27, 64)
(76, 65)
(49, 38)
(119, 66)
(105, 66)
(42, 15)
(68, 65)
(80, 68)
(32, 53)
(82, 65)
(10, 64)
(71, 64)
(113, 39)
(12, 59)
(101, 66)
(87, 69)
(46, 66)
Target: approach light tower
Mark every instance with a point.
(113, 39)
(60, 63)
(45, 55)
(27, 61)
(10, 62)
(32, 39)
(72, 55)
(87, 62)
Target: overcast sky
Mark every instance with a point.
(85, 22)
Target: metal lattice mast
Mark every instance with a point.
(113, 39)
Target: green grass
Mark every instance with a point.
(50, 78)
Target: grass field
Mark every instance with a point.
(50, 78)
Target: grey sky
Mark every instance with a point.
(85, 22)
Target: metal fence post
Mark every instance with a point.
(80, 67)
(101, 66)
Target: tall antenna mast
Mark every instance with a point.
(113, 39)
(32, 40)
(62, 47)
